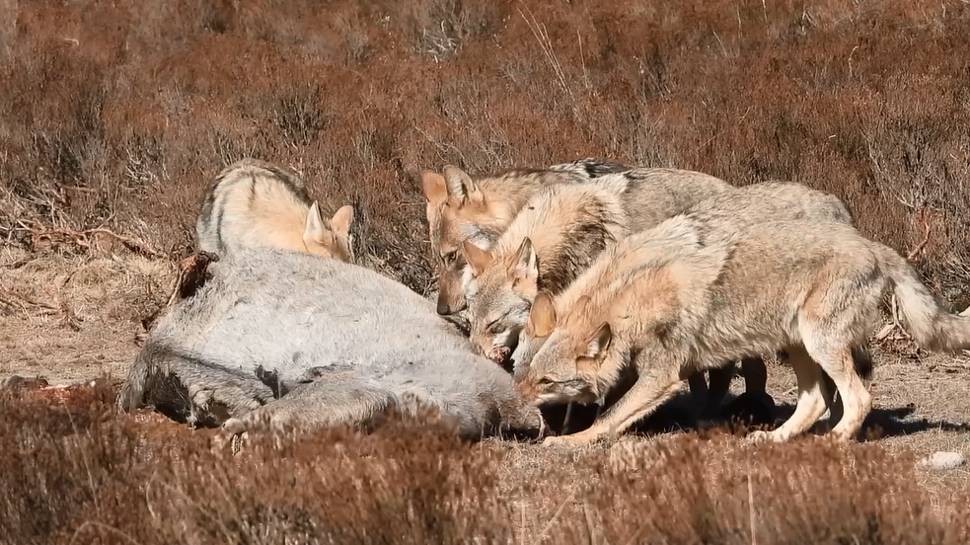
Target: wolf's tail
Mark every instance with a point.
(932, 326)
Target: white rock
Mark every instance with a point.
(942, 460)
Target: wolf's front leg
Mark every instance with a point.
(642, 399)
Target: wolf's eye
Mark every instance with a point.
(546, 380)
(494, 328)
(450, 257)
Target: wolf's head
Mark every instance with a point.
(571, 352)
(500, 295)
(531, 340)
(329, 238)
(456, 211)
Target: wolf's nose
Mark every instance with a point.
(499, 354)
(443, 309)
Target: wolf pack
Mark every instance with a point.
(585, 286)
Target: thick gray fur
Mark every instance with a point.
(339, 343)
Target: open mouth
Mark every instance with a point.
(502, 355)
(499, 354)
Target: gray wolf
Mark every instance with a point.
(685, 298)
(735, 209)
(256, 204)
(273, 329)
(557, 234)
(461, 208)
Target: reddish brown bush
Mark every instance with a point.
(117, 113)
(82, 473)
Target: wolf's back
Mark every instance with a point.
(247, 194)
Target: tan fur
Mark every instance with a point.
(558, 233)
(682, 298)
(726, 211)
(476, 210)
(256, 204)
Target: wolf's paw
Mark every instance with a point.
(234, 434)
(759, 437)
(573, 440)
(234, 426)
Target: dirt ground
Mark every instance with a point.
(71, 318)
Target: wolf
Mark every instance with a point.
(685, 298)
(557, 234)
(729, 210)
(461, 208)
(297, 339)
(554, 237)
(252, 203)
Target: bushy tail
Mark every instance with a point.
(932, 326)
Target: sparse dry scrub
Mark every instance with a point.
(73, 470)
(115, 114)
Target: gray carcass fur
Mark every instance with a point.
(297, 339)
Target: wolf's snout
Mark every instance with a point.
(527, 390)
(499, 354)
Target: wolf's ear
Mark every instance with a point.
(525, 263)
(316, 229)
(542, 317)
(461, 186)
(477, 258)
(524, 268)
(599, 342)
(434, 187)
(342, 220)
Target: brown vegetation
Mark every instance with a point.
(79, 472)
(115, 114)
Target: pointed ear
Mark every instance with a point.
(342, 220)
(316, 230)
(434, 187)
(542, 316)
(599, 342)
(477, 258)
(525, 263)
(461, 186)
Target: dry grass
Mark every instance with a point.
(115, 114)
(74, 470)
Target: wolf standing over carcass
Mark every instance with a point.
(688, 298)
(461, 209)
(467, 215)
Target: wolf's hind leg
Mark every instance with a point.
(720, 385)
(755, 374)
(811, 401)
(856, 400)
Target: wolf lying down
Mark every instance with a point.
(293, 339)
